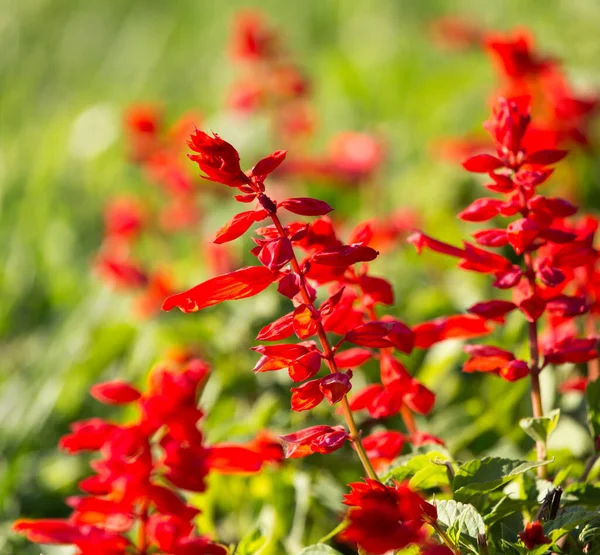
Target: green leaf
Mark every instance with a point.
(503, 508)
(592, 395)
(582, 494)
(572, 518)
(319, 549)
(590, 532)
(427, 470)
(462, 521)
(487, 474)
(540, 428)
(251, 543)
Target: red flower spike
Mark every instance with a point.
(217, 159)
(307, 396)
(335, 386)
(306, 206)
(116, 392)
(533, 535)
(482, 163)
(240, 284)
(376, 290)
(238, 225)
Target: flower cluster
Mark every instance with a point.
(134, 502)
(562, 115)
(349, 312)
(544, 283)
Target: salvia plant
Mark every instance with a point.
(408, 494)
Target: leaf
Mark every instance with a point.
(592, 395)
(421, 468)
(506, 506)
(569, 520)
(540, 428)
(582, 494)
(462, 521)
(319, 549)
(251, 543)
(590, 532)
(487, 474)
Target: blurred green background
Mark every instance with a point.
(69, 68)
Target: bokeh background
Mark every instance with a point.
(70, 69)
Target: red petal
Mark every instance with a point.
(335, 386)
(238, 225)
(371, 334)
(275, 254)
(352, 358)
(546, 157)
(482, 163)
(306, 396)
(492, 310)
(233, 459)
(269, 164)
(481, 210)
(116, 392)
(305, 321)
(305, 367)
(240, 284)
(449, 327)
(279, 329)
(345, 256)
(306, 206)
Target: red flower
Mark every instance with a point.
(533, 535)
(316, 439)
(384, 518)
(217, 159)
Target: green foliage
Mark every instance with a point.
(540, 428)
(462, 523)
(488, 474)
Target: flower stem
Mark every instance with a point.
(444, 537)
(534, 371)
(329, 357)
